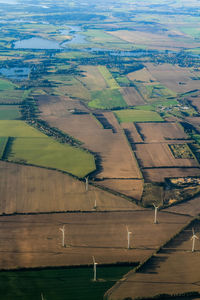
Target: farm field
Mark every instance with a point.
(107, 99)
(132, 132)
(9, 112)
(156, 276)
(153, 40)
(35, 240)
(27, 189)
(159, 174)
(93, 78)
(129, 187)
(11, 96)
(178, 79)
(133, 115)
(18, 128)
(159, 155)
(117, 158)
(55, 284)
(161, 132)
(49, 153)
(132, 96)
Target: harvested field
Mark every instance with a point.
(191, 207)
(27, 189)
(159, 155)
(117, 158)
(154, 40)
(132, 133)
(35, 240)
(129, 187)
(159, 174)
(132, 96)
(160, 132)
(141, 75)
(176, 78)
(93, 78)
(174, 270)
(195, 102)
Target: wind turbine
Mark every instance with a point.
(193, 238)
(128, 237)
(95, 268)
(42, 297)
(62, 229)
(95, 204)
(156, 212)
(86, 184)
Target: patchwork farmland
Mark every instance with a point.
(99, 149)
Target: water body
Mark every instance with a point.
(15, 73)
(77, 38)
(36, 43)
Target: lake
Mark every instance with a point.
(36, 43)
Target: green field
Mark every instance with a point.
(111, 82)
(6, 85)
(158, 91)
(17, 128)
(132, 115)
(12, 96)
(49, 153)
(107, 99)
(9, 112)
(59, 284)
(3, 143)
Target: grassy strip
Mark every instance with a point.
(111, 82)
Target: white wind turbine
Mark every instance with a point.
(95, 268)
(128, 237)
(193, 238)
(86, 184)
(62, 229)
(156, 213)
(95, 204)
(42, 297)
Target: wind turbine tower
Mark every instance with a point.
(62, 229)
(42, 297)
(86, 184)
(156, 213)
(193, 238)
(128, 237)
(95, 268)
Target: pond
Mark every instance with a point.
(15, 73)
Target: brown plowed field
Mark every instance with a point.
(159, 155)
(133, 133)
(117, 158)
(175, 78)
(173, 271)
(131, 96)
(191, 207)
(35, 240)
(30, 189)
(159, 132)
(196, 102)
(159, 175)
(129, 187)
(112, 120)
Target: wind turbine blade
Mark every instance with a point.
(193, 231)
